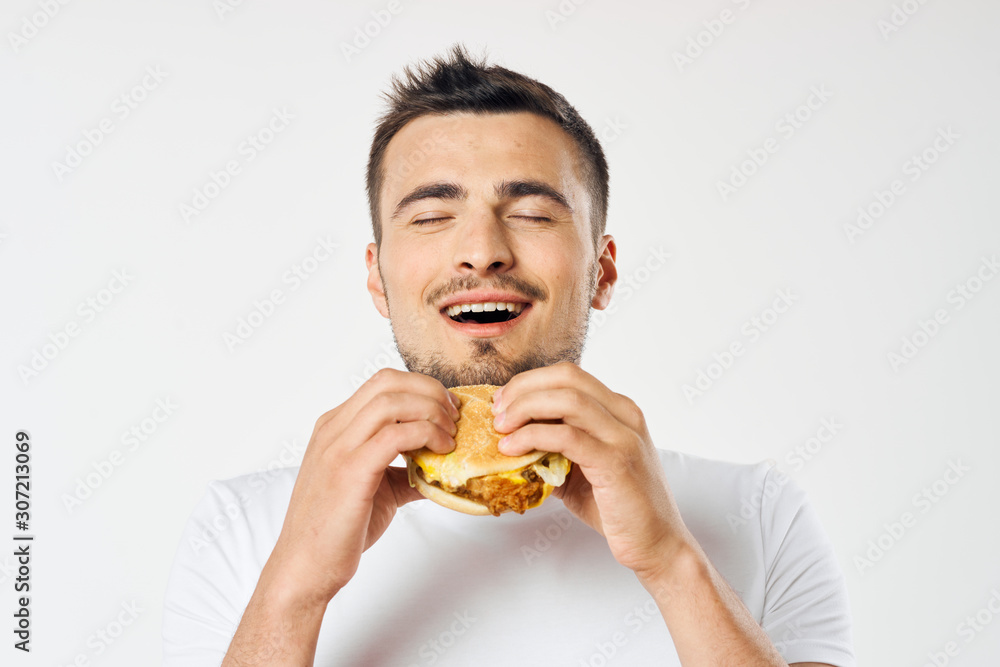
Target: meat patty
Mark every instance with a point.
(499, 494)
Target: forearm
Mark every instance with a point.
(278, 627)
(708, 622)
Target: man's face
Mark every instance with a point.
(479, 211)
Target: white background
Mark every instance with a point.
(684, 127)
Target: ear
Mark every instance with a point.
(607, 276)
(375, 286)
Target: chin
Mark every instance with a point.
(484, 364)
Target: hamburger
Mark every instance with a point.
(475, 478)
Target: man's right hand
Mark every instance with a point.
(344, 497)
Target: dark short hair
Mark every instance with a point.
(460, 84)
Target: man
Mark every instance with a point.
(487, 189)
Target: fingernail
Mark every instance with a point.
(496, 398)
(504, 443)
(498, 420)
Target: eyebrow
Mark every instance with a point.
(503, 190)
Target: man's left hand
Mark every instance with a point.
(617, 486)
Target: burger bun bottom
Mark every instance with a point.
(442, 497)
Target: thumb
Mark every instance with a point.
(401, 489)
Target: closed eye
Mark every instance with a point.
(519, 217)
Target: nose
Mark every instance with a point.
(483, 245)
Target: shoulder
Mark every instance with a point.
(691, 464)
(739, 513)
(753, 502)
(243, 514)
(760, 531)
(273, 486)
(703, 485)
(226, 541)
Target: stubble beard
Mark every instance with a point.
(488, 365)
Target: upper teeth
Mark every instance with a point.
(488, 306)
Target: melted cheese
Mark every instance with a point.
(552, 469)
(514, 476)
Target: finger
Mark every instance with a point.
(399, 480)
(578, 497)
(576, 483)
(390, 380)
(569, 405)
(566, 374)
(391, 408)
(360, 471)
(603, 465)
(380, 450)
(575, 444)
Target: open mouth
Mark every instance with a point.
(484, 313)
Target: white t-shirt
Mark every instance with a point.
(444, 588)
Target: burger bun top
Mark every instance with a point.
(476, 453)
